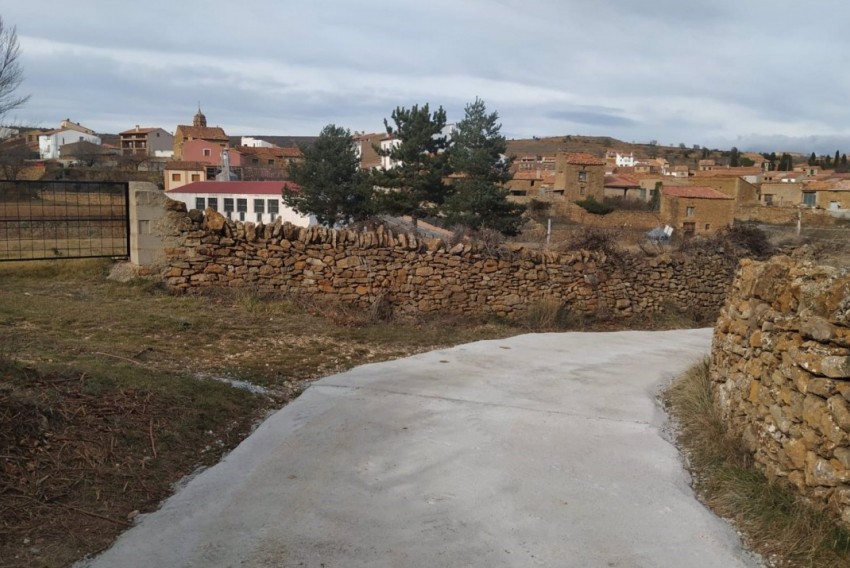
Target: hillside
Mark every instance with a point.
(598, 145)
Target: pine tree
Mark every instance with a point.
(837, 158)
(414, 186)
(332, 186)
(477, 154)
(813, 160)
(734, 157)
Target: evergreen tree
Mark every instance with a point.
(837, 158)
(734, 157)
(812, 159)
(414, 186)
(843, 159)
(827, 162)
(786, 163)
(332, 186)
(477, 155)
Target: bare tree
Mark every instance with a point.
(11, 74)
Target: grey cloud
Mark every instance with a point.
(591, 118)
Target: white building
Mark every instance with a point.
(624, 161)
(387, 144)
(255, 201)
(68, 132)
(256, 143)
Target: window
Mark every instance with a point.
(228, 206)
(768, 199)
(271, 162)
(273, 208)
(199, 203)
(259, 208)
(175, 177)
(689, 212)
(582, 190)
(241, 208)
(689, 229)
(212, 203)
(708, 226)
(255, 161)
(196, 177)
(809, 199)
(206, 151)
(582, 176)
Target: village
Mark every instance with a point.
(690, 194)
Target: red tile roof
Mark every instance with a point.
(584, 159)
(621, 181)
(237, 187)
(181, 165)
(693, 191)
(201, 132)
(138, 131)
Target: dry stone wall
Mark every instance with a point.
(780, 369)
(411, 275)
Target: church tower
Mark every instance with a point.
(200, 119)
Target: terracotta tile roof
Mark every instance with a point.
(828, 185)
(139, 131)
(201, 132)
(729, 172)
(277, 152)
(237, 187)
(584, 159)
(621, 181)
(184, 165)
(694, 192)
(707, 162)
(528, 174)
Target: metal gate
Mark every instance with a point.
(61, 219)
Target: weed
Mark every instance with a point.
(775, 521)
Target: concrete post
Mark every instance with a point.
(151, 225)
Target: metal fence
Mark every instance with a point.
(57, 219)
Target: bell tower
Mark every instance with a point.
(200, 119)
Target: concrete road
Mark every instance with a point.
(540, 450)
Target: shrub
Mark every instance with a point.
(592, 206)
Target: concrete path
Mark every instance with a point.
(540, 450)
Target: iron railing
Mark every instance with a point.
(61, 219)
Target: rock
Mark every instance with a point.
(836, 367)
(840, 411)
(214, 221)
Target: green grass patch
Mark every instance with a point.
(775, 521)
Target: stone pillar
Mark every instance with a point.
(153, 226)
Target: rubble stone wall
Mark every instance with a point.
(412, 275)
(780, 369)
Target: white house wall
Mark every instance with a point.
(48, 145)
(286, 213)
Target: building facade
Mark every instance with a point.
(153, 142)
(579, 176)
(253, 201)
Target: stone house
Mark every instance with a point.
(268, 163)
(831, 195)
(706, 165)
(779, 194)
(696, 210)
(364, 147)
(531, 183)
(742, 191)
(625, 187)
(579, 176)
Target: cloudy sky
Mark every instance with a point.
(765, 75)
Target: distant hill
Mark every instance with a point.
(598, 145)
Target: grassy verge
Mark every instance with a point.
(784, 528)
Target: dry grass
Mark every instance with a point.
(784, 528)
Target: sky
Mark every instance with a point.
(759, 75)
